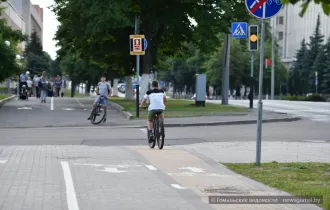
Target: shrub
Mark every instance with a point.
(316, 97)
(313, 97)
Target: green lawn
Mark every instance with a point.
(180, 108)
(67, 93)
(300, 179)
(3, 96)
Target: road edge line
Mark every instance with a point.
(70, 192)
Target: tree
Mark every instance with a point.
(37, 60)
(300, 71)
(325, 82)
(325, 5)
(166, 25)
(8, 62)
(315, 45)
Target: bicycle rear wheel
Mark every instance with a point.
(153, 143)
(97, 116)
(161, 134)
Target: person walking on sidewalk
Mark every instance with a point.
(103, 89)
(58, 85)
(36, 81)
(44, 87)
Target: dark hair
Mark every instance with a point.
(154, 83)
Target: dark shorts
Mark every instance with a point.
(152, 113)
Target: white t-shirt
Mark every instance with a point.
(29, 83)
(156, 98)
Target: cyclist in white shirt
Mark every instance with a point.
(157, 100)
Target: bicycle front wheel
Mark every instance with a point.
(161, 134)
(98, 115)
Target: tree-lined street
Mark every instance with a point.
(52, 157)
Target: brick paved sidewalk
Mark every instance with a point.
(84, 178)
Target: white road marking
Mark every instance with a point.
(105, 165)
(3, 161)
(194, 169)
(144, 130)
(24, 108)
(70, 192)
(112, 170)
(178, 186)
(151, 167)
(67, 109)
(190, 174)
(52, 104)
(80, 103)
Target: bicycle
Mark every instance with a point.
(97, 110)
(158, 130)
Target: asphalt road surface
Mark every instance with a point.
(99, 167)
(315, 111)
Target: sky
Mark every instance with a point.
(50, 25)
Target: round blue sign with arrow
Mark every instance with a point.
(264, 9)
(145, 44)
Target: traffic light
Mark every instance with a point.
(253, 38)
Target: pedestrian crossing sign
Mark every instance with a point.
(239, 30)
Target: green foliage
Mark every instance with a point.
(8, 62)
(324, 67)
(99, 30)
(37, 60)
(312, 97)
(304, 5)
(308, 61)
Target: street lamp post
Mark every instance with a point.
(18, 57)
(8, 80)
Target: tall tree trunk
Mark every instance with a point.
(129, 88)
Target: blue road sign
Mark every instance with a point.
(263, 9)
(161, 83)
(239, 30)
(145, 44)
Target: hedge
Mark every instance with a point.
(313, 97)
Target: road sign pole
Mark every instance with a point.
(137, 20)
(251, 83)
(225, 73)
(259, 127)
(273, 62)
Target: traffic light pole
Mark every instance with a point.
(259, 126)
(272, 90)
(251, 83)
(137, 19)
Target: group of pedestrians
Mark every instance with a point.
(40, 86)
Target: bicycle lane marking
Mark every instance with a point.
(52, 103)
(70, 192)
(144, 130)
(82, 106)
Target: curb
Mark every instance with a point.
(120, 109)
(173, 125)
(3, 101)
(237, 122)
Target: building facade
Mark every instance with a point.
(19, 11)
(14, 19)
(290, 29)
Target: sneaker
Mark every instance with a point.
(151, 138)
(89, 118)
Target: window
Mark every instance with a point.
(280, 20)
(280, 35)
(280, 51)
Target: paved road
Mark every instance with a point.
(316, 111)
(83, 168)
